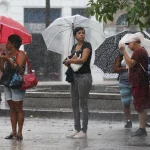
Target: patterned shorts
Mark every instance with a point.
(126, 93)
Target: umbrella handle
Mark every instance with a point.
(72, 26)
(72, 31)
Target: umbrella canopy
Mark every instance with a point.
(59, 35)
(9, 26)
(107, 52)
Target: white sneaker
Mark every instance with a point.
(72, 134)
(80, 135)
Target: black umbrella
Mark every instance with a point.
(107, 52)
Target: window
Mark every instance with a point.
(122, 20)
(37, 15)
(47, 64)
(80, 11)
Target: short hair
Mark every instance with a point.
(16, 40)
(77, 29)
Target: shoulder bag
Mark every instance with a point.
(16, 81)
(7, 75)
(29, 80)
(76, 67)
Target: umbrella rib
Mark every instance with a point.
(74, 20)
(57, 34)
(69, 22)
(81, 22)
(61, 25)
(88, 27)
(69, 41)
(16, 29)
(94, 30)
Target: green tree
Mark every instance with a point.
(138, 11)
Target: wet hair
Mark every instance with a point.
(16, 40)
(77, 29)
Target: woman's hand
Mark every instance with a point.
(4, 57)
(67, 62)
(122, 48)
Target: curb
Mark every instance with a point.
(62, 113)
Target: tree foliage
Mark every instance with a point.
(138, 11)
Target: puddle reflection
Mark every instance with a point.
(79, 144)
(17, 145)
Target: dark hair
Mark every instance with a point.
(77, 29)
(16, 40)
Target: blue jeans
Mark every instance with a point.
(80, 89)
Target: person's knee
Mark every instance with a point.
(126, 106)
(11, 106)
(19, 109)
(75, 105)
(12, 110)
(18, 106)
(83, 104)
(142, 111)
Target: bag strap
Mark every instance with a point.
(29, 65)
(142, 67)
(28, 62)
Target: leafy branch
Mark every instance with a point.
(137, 11)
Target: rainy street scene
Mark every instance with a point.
(74, 75)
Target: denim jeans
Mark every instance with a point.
(80, 89)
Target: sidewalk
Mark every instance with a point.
(49, 134)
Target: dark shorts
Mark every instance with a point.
(141, 98)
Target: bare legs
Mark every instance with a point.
(142, 118)
(127, 112)
(16, 116)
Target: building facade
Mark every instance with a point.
(31, 13)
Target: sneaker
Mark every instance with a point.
(128, 124)
(139, 132)
(147, 125)
(80, 135)
(72, 134)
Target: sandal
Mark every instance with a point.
(9, 137)
(18, 138)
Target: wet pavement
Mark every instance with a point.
(50, 134)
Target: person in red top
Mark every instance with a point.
(138, 80)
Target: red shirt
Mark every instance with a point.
(137, 76)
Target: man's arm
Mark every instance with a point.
(130, 62)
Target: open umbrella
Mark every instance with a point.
(9, 26)
(58, 36)
(107, 52)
